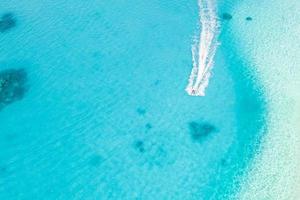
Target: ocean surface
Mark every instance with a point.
(272, 45)
(100, 109)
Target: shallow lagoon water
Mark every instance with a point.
(106, 115)
(271, 44)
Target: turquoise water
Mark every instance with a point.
(105, 114)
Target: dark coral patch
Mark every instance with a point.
(249, 18)
(148, 126)
(200, 131)
(226, 16)
(139, 145)
(7, 22)
(12, 86)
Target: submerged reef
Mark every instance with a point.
(226, 16)
(200, 131)
(249, 18)
(7, 22)
(153, 154)
(139, 146)
(148, 126)
(12, 86)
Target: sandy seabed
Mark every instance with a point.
(272, 44)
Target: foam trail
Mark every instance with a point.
(204, 48)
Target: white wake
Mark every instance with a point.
(204, 48)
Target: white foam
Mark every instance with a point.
(204, 49)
